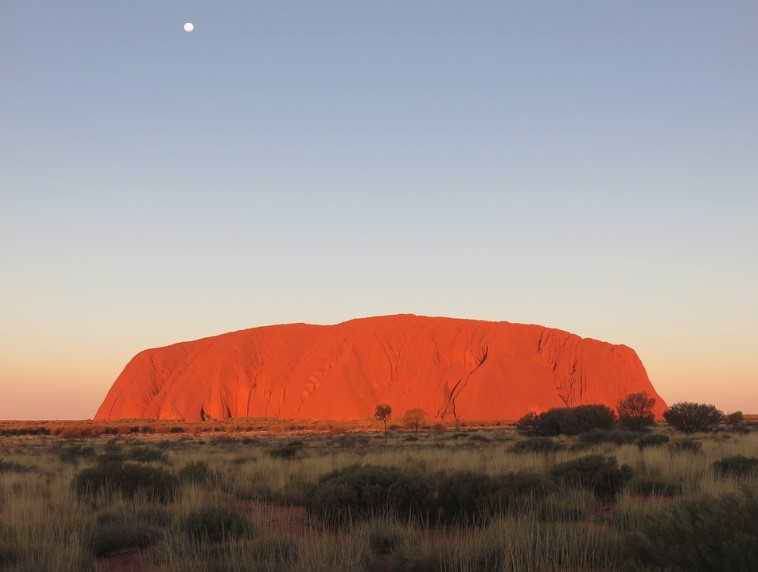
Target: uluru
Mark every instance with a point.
(451, 368)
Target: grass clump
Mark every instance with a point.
(739, 466)
(119, 536)
(216, 524)
(289, 451)
(654, 487)
(128, 479)
(196, 472)
(146, 455)
(274, 551)
(652, 440)
(687, 445)
(73, 454)
(13, 467)
(596, 473)
(384, 541)
(537, 445)
(708, 534)
(613, 436)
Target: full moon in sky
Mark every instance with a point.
(189, 26)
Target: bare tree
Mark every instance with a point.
(414, 419)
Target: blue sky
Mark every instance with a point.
(589, 165)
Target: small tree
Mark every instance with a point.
(383, 413)
(736, 418)
(636, 411)
(691, 417)
(414, 419)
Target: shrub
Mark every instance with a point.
(72, 454)
(13, 467)
(196, 472)
(464, 496)
(528, 424)
(117, 536)
(709, 534)
(567, 421)
(129, 479)
(654, 487)
(216, 524)
(692, 417)
(537, 445)
(461, 496)
(652, 440)
(288, 451)
(686, 446)
(599, 474)
(146, 455)
(636, 411)
(736, 418)
(736, 466)
(599, 436)
(361, 491)
(20, 431)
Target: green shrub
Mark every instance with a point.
(73, 454)
(738, 466)
(686, 446)
(693, 417)
(710, 534)
(652, 440)
(468, 497)
(654, 487)
(196, 472)
(216, 524)
(128, 479)
(599, 474)
(537, 445)
(635, 411)
(118, 536)
(288, 451)
(146, 455)
(567, 421)
(461, 496)
(361, 491)
(13, 467)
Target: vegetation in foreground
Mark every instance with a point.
(625, 495)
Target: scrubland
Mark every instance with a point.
(440, 499)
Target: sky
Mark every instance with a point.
(591, 166)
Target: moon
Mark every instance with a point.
(189, 27)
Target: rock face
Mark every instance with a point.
(449, 367)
